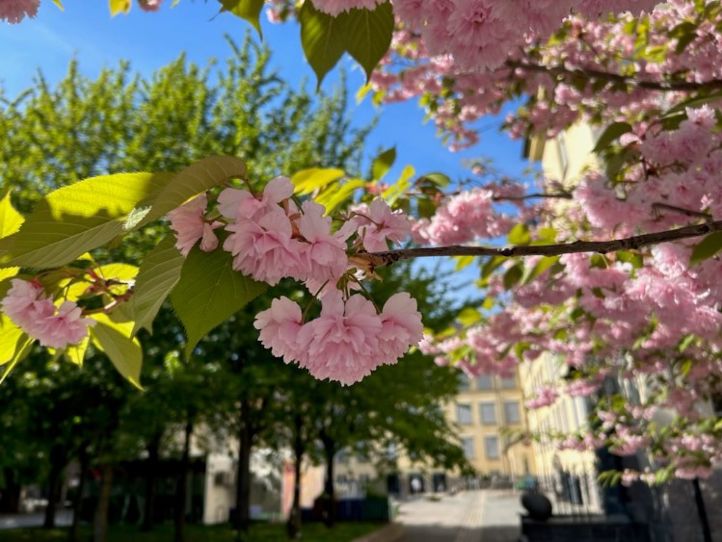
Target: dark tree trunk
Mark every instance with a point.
(84, 461)
(242, 518)
(329, 487)
(10, 495)
(293, 526)
(100, 523)
(55, 482)
(181, 493)
(151, 466)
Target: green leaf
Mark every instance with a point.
(248, 10)
(519, 235)
(436, 179)
(10, 336)
(532, 272)
(400, 187)
(114, 338)
(76, 352)
(512, 276)
(322, 38)
(10, 219)
(209, 292)
(195, 179)
(118, 6)
(21, 350)
(331, 199)
(462, 262)
(59, 5)
(78, 218)
(368, 34)
(612, 132)
(158, 275)
(468, 317)
(310, 180)
(10, 222)
(707, 248)
(634, 258)
(382, 163)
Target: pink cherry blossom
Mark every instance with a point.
(279, 327)
(190, 226)
(324, 253)
(27, 305)
(401, 327)
(14, 11)
(264, 249)
(378, 224)
(341, 344)
(545, 396)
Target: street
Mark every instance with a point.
(469, 516)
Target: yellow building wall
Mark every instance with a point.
(466, 412)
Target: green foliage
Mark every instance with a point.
(383, 163)
(613, 132)
(113, 336)
(249, 10)
(364, 34)
(707, 248)
(158, 275)
(209, 292)
(75, 219)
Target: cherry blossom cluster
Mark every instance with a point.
(347, 341)
(27, 305)
(272, 237)
(479, 34)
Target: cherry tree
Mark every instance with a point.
(618, 273)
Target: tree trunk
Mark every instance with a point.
(100, 524)
(10, 495)
(151, 466)
(293, 525)
(78, 500)
(55, 480)
(329, 488)
(242, 519)
(181, 493)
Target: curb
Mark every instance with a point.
(391, 533)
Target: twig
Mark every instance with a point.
(378, 259)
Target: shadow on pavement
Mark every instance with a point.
(434, 533)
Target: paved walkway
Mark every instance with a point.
(63, 518)
(470, 516)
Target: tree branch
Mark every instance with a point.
(687, 212)
(591, 73)
(560, 195)
(379, 259)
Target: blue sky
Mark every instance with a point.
(86, 31)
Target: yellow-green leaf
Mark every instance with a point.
(118, 6)
(114, 338)
(310, 180)
(248, 10)
(158, 275)
(209, 292)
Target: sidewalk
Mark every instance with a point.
(470, 516)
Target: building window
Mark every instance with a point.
(463, 414)
(511, 412)
(488, 413)
(491, 447)
(467, 444)
(508, 383)
(484, 382)
(464, 382)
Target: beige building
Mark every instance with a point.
(487, 410)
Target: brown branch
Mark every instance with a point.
(591, 73)
(378, 259)
(560, 195)
(686, 212)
